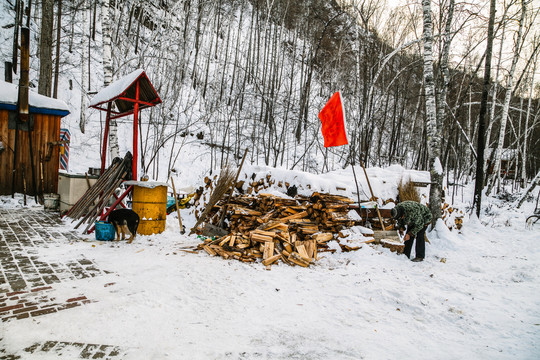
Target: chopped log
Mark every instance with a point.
(268, 250)
(209, 250)
(298, 260)
(301, 249)
(299, 215)
(271, 260)
(322, 237)
(225, 240)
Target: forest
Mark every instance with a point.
(251, 73)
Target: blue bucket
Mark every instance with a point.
(104, 231)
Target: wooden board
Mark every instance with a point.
(46, 129)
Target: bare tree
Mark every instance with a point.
(479, 182)
(496, 176)
(45, 48)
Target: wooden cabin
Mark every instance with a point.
(37, 143)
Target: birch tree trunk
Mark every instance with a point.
(496, 176)
(433, 133)
(84, 75)
(108, 72)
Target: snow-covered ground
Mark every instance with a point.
(474, 297)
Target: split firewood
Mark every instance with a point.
(279, 230)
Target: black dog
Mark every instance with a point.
(122, 219)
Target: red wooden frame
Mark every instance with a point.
(111, 115)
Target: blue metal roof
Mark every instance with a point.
(35, 110)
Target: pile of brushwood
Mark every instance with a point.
(273, 229)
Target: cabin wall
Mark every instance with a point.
(46, 157)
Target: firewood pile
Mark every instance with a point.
(90, 206)
(274, 229)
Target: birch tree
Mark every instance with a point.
(84, 75)
(433, 133)
(108, 73)
(496, 176)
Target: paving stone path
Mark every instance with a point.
(27, 282)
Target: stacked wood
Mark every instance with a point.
(90, 206)
(275, 229)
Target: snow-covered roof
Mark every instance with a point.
(39, 104)
(125, 88)
(116, 88)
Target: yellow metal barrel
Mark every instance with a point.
(150, 203)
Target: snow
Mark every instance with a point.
(474, 297)
(116, 88)
(10, 92)
(145, 184)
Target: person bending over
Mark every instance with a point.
(412, 219)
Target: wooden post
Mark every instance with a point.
(224, 211)
(135, 129)
(372, 196)
(8, 71)
(182, 231)
(25, 68)
(22, 100)
(105, 137)
(357, 188)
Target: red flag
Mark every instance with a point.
(333, 122)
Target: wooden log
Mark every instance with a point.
(299, 215)
(322, 237)
(298, 260)
(301, 249)
(224, 240)
(209, 250)
(268, 250)
(271, 260)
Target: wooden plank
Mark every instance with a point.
(6, 156)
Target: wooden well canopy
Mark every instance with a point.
(129, 95)
(30, 159)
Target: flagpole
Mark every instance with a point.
(355, 180)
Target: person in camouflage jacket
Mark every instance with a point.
(413, 218)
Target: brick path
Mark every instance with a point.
(27, 282)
